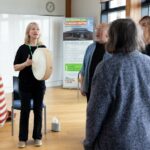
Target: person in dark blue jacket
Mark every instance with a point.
(93, 55)
(118, 112)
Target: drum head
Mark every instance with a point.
(42, 64)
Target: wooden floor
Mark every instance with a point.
(68, 108)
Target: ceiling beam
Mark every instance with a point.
(68, 8)
(133, 9)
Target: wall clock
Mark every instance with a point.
(50, 6)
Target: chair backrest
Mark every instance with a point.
(16, 95)
(16, 102)
(79, 79)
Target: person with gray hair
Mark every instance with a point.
(118, 112)
(93, 55)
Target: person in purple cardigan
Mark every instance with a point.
(118, 111)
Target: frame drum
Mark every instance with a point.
(42, 64)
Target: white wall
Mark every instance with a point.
(86, 8)
(12, 29)
(31, 7)
(56, 45)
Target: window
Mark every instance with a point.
(117, 3)
(112, 10)
(145, 11)
(115, 15)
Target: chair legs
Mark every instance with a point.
(79, 84)
(12, 121)
(78, 90)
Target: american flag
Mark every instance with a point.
(3, 106)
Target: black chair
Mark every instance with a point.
(16, 103)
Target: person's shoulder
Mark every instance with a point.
(23, 46)
(109, 61)
(105, 64)
(144, 56)
(92, 44)
(42, 46)
(107, 55)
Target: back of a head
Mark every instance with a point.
(145, 21)
(122, 36)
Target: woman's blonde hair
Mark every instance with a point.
(145, 23)
(27, 37)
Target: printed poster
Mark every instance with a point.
(77, 36)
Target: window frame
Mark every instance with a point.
(108, 10)
(145, 5)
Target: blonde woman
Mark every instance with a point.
(145, 24)
(29, 87)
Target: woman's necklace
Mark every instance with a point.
(31, 50)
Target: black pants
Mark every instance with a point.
(26, 97)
